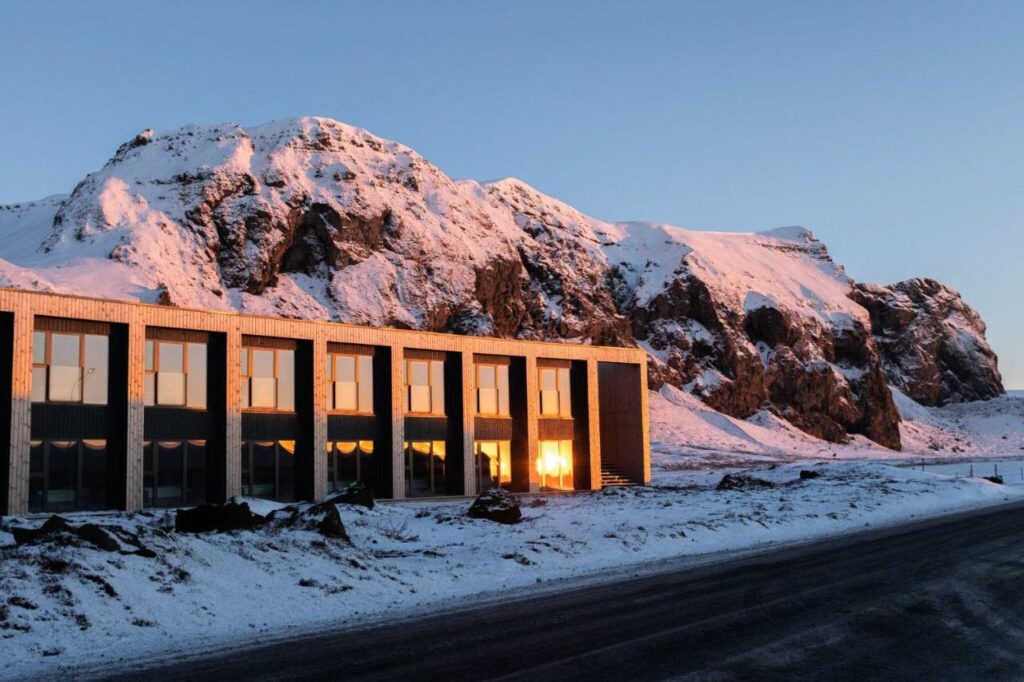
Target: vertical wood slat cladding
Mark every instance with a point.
(127, 396)
(467, 428)
(594, 426)
(318, 415)
(622, 439)
(23, 307)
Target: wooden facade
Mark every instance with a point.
(615, 375)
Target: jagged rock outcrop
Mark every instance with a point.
(313, 218)
(932, 343)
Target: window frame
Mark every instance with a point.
(245, 376)
(501, 397)
(185, 368)
(357, 358)
(563, 392)
(47, 364)
(432, 391)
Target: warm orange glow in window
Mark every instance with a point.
(554, 464)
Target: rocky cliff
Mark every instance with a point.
(932, 343)
(313, 218)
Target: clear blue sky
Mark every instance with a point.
(894, 130)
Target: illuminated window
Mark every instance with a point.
(350, 383)
(424, 386)
(268, 469)
(554, 465)
(69, 367)
(492, 390)
(555, 392)
(348, 462)
(268, 378)
(493, 463)
(175, 374)
(425, 468)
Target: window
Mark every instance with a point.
(555, 393)
(69, 367)
(350, 383)
(175, 374)
(348, 462)
(424, 386)
(67, 476)
(425, 469)
(268, 379)
(174, 473)
(492, 390)
(268, 469)
(493, 463)
(554, 465)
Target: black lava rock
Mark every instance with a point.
(496, 505)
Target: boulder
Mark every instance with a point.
(496, 505)
(806, 475)
(322, 517)
(356, 493)
(743, 482)
(219, 518)
(57, 530)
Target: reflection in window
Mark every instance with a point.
(268, 469)
(554, 465)
(425, 468)
(424, 384)
(174, 473)
(350, 383)
(348, 462)
(268, 378)
(555, 392)
(67, 476)
(492, 390)
(493, 463)
(175, 374)
(69, 367)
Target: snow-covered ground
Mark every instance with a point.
(65, 609)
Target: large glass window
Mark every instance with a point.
(69, 367)
(493, 460)
(350, 383)
(348, 462)
(554, 465)
(268, 469)
(175, 374)
(425, 468)
(67, 476)
(268, 378)
(174, 473)
(555, 392)
(424, 386)
(492, 390)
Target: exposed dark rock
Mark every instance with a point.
(496, 505)
(743, 482)
(355, 493)
(323, 517)
(218, 518)
(57, 530)
(932, 343)
(806, 474)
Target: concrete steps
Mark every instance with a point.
(612, 477)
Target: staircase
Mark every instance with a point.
(612, 476)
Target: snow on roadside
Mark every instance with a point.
(64, 607)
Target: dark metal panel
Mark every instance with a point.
(305, 450)
(269, 426)
(581, 425)
(555, 429)
(170, 423)
(456, 437)
(621, 418)
(383, 450)
(217, 406)
(351, 427)
(517, 401)
(426, 428)
(6, 389)
(492, 428)
(70, 422)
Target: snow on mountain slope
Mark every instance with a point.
(313, 218)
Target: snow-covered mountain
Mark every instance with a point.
(313, 218)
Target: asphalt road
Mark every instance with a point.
(940, 600)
